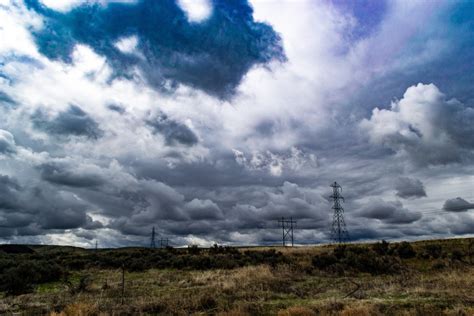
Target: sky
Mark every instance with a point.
(211, 119)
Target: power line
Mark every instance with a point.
(153, 235)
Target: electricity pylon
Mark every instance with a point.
(339, 232)
(287, 226)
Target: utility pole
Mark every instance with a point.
(153, 235)
(123, 284)
(164, 242)
(339, 232)
(287, 226)
(96, 243)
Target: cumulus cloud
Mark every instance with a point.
(7, 142)
(389, 212)
(33, 210)
(425, 126)
(203, 209)
(409, 188)
(175, 50)
(457, 205)
(63, 174)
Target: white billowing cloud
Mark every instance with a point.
(196, 10)
(127, 45)
(62, 5)
(15, 22)
(424, 125)
(66, 5)
(9, 150)
(86, 62)
(304, 95)
(275, 163)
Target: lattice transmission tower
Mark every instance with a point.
(287, 226)
(339, 231)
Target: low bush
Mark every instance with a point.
(356, 259)
(405, 250)
(22, 277)
(381, 248)
(433, 251)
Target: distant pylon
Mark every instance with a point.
(153, 235)
(339, 232)
(164, 242)
(287, 229)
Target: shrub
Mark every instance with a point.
(23, 277)
(438, 265)
(405, 250)
(16, 249)
(433, 251)
(193, 249)
(324, 260)
(357, 259)
(381, 248)
(457, 255)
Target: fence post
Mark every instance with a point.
(123, 283)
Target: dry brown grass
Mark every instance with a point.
(78, 309)
(282, 291)
(297, 311)
(260, 290)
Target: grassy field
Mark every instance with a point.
(421, 278)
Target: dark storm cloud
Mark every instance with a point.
(212, 56)
(410, 188)
(62, 174)
(174, 132)
(464, 224)
(58, 218)
(8, 193)
(388, 211)
(457, 205)
(203, 209)
(178, 214)
(71, 122)
(35, 211)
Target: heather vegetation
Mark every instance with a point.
(421, 278)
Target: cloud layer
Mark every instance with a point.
(211, 120)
